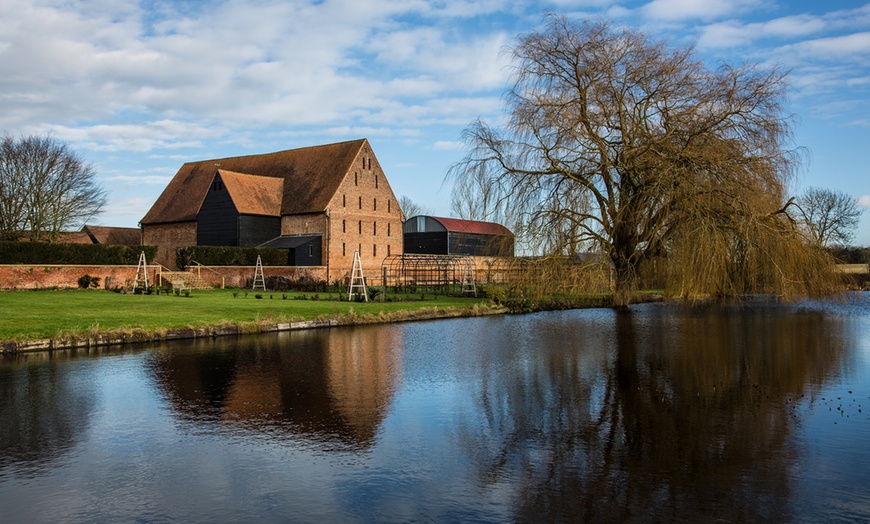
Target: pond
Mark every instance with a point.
(750, 412)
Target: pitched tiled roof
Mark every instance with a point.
(311, 177)
(254, 195)
(124, 236)
(472, 226)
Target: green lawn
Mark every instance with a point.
(28, 315)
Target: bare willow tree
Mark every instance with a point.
(477, 197)
(45, 188)
(624, 143)
(830, 216)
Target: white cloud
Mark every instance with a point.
(693, 9)
(850, 48)
(303, 64)
(143, 179)
(733, 33)
(864, 201)
(445, 145)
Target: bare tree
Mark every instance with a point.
(411, 208)
(45, 188)
(830, 216)
(624, 143)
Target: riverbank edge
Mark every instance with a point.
(136, 336)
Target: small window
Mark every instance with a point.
(388, 228)
(355, 179)
(344, 226)
(343, 250)
(343, 200)
(388, 250)
(388, 206)
(374, 250)
(360, 226)
(375, 208)
(364, 162)
(374, 228)
(376, 181)
(370, 163)
(360, 202)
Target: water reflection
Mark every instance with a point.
(654, 414)
(318, 386)
(45, 409)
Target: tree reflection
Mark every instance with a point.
(320, 386)
(689, 416)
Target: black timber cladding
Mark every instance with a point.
(254, 230)
(219, 223)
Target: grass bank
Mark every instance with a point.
(39, 315)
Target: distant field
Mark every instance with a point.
(29, 315)
(854, 268)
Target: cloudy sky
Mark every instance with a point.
(138, 88)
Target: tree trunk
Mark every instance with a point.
(624, 285)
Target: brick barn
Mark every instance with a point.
(321, 203)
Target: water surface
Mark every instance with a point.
(757, 412)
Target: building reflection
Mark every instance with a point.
(690, 415)
(325, 386)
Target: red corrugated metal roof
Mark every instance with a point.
(472, 226)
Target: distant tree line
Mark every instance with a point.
(850, 254)
(45, 189)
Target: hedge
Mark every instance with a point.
(72, 254)
(229, 256)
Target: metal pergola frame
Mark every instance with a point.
(443, 273)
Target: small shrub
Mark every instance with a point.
(258, 296)
(87, 281)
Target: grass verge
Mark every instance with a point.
(33, 315)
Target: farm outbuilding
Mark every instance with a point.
(336, 196)
(431, 235)
(302, 250)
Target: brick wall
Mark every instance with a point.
(40, 277)
(364, 215)
(167, 237)
(238, 276)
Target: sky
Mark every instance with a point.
(139, 88)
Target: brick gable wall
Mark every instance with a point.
(364, 215)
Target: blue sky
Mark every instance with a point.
(138, 88)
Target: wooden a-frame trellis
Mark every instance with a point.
(357, 280)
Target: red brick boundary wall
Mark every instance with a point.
(55, 276)
(239, 276)
(52, 276)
